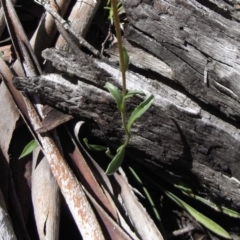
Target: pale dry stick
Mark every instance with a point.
(80, 18)
(177, 233)
(46, 30)
(17, 33)
(65, 24)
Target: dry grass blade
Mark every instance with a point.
(143, 224)
(90, 178)
(114, 227)
(97, 191)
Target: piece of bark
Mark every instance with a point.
(151, 134)
(144, 225)
(45, 198)
(196, 43)
(53, 119)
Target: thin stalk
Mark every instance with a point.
(121, 59)
(119, 40)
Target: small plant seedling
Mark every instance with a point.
(121, 97)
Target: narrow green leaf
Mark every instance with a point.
(116, 162)
(94, 147)
(222, 209)
(132, 93)
(229, 212)
(109, 154)
(139, 111)
(116, 94)
(29, 148)
(124, 68)
(205, 221)
(147, 194)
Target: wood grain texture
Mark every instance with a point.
(191, 38)
(186, 55)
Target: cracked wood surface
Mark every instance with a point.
(186, 55)
(193, 41)
(175, 130)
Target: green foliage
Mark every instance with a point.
(202, 219)
(117, 161)
(120, 99)
(139, 111)
(205, 221)
(110, 9)
(116, 94)
(125, 64)
(186, 190)
(147, 194)
(94, 147)
(29, 148)
(132, 93)
(1, 54)
(217, 208)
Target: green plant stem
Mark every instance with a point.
(119, 40)
(121, 59)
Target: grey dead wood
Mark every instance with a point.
(159, 135)
(187, 57)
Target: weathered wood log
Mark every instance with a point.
(173, 131)
(186, 55)
(199, 45)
